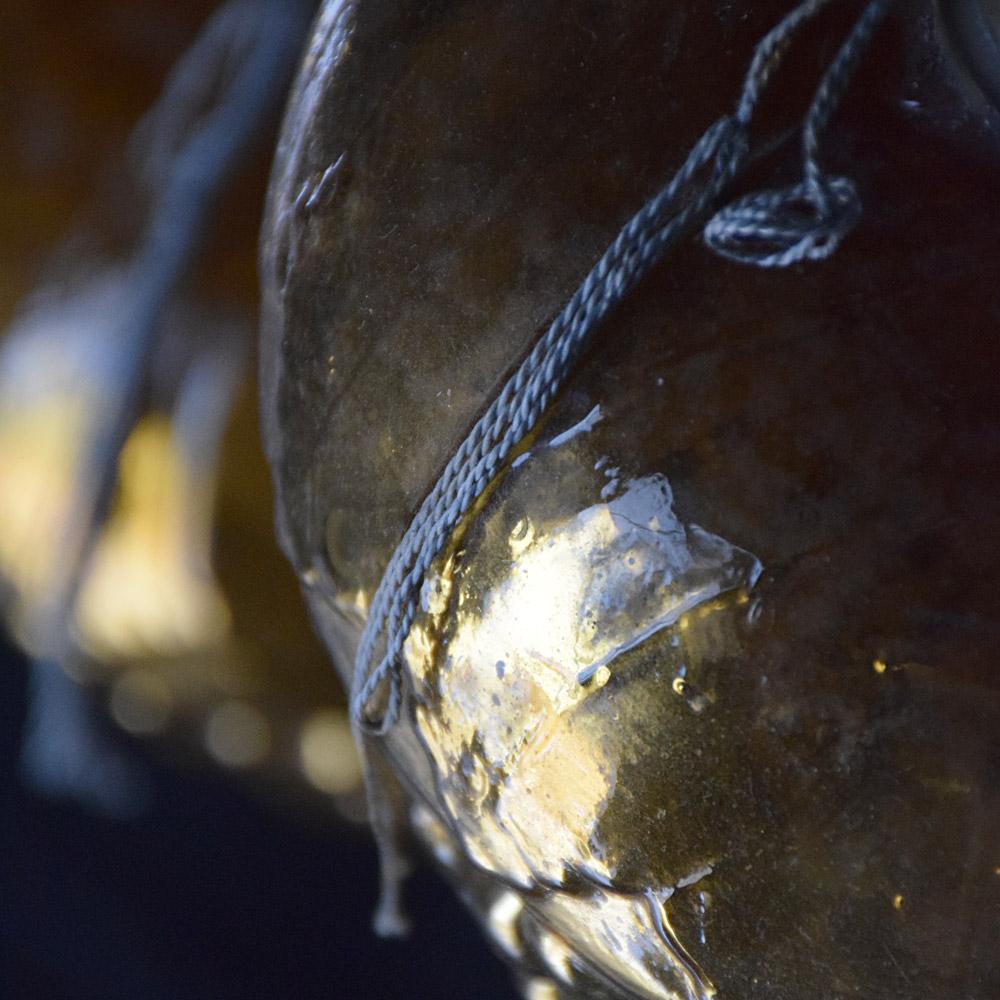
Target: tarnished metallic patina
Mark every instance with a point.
(704, 699)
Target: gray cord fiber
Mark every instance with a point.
(808, 220)
(769, 229)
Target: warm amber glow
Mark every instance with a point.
(39, 445)
(150, 589)
(541, 989)
(517, 674)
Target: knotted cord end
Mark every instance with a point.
(779, 228)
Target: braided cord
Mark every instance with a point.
(674, 213)
(808, 220)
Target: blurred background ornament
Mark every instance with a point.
(118, 379)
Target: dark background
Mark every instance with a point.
(211, 894)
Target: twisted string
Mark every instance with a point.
(807, 220)
(674, 213)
